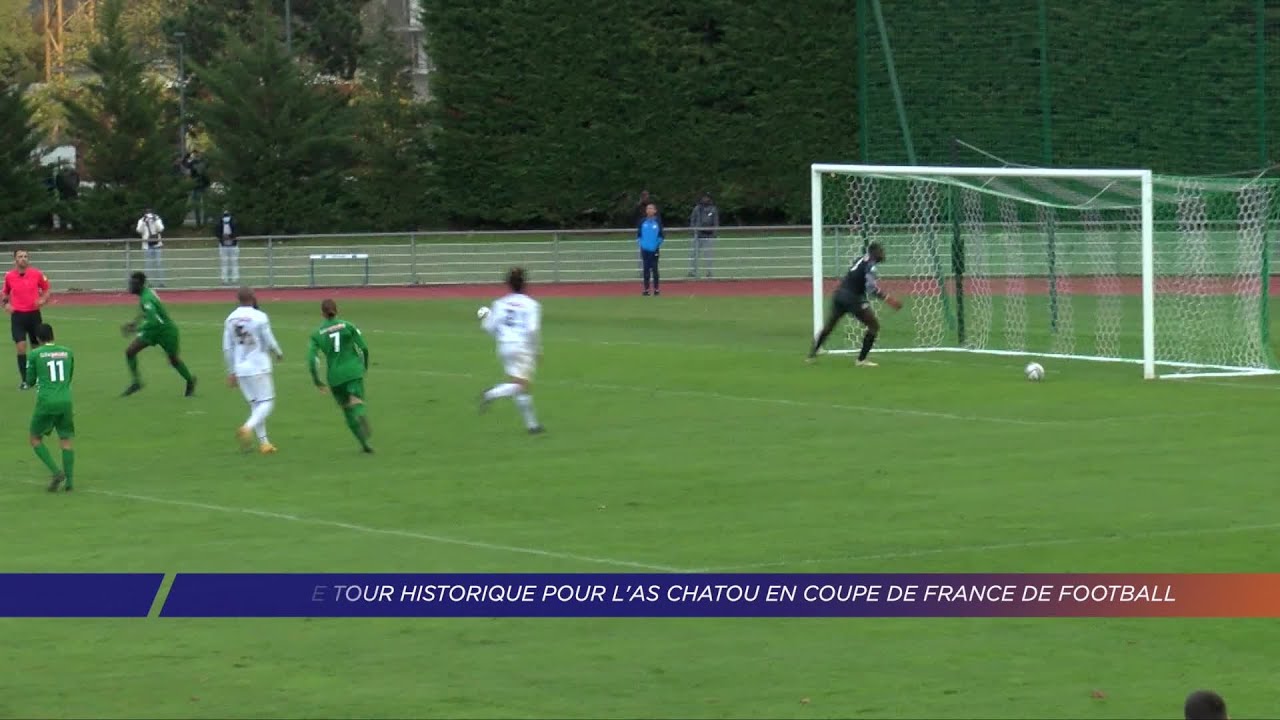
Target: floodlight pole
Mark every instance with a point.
(182, 93)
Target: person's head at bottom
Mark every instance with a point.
(1205, 705)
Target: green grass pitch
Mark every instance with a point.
(684, 433)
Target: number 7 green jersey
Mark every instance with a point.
(49, 370)
(346, 356)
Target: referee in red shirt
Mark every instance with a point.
(26, 290)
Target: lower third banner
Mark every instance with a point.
(669, 595)
(82, 595)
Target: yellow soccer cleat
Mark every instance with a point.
(245, 436)
(267, 449)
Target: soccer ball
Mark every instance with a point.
(482, 313)
(1035, 372)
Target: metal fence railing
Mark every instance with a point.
(419, 258)
(775, 252)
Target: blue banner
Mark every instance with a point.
(672, 596)
(79, 595)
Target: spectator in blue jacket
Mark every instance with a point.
(650, 236)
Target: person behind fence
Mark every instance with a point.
(228, 248)
(151, 229)
(641, 208)
(705, 221)
(650, 236)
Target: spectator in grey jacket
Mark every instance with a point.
(705, 221)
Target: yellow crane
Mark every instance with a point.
(57, 21)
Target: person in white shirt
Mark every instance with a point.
(249, 347)
(151, 229)
(515, 322)
(228, 248)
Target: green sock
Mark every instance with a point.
(133, 368)
(68, 464)
(42, 452)
(352, 415)
(181, 367)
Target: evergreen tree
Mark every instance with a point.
(127, 130)
(19, 41)
(24, 200)
(328, 33)
(396, 182)
(281, 144)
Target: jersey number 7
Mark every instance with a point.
(337, 341)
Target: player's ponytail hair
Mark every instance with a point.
(515, 279)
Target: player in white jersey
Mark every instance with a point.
(515, 322)
(249, 348)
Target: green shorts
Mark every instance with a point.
(351, 389)
(165, 339)
(44, 422)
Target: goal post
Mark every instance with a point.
(1115, 265)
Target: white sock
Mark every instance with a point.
(258, 419)
(524, 401)
(501, 391)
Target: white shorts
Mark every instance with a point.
(518, 363)
(257, 388)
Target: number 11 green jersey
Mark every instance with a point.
(345, 353)
(49, 370)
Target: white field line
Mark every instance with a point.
(1239, 385)
(748, 567)
(391, 532)
(967, 549)
(710, 395)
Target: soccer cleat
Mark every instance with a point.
(245, 436)
(131, 389)
(867, 363)
(56, 482)
(24, 386)
(483, 406)
(656, 293)
(267, 448)
(366, 449)
(645, 293)
(191, 388)
(537, 430)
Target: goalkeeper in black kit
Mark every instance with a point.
(853, 298)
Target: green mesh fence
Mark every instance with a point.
(1179, 87)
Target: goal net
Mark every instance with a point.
(1114, 265)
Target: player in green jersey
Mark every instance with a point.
(346, 358)
(49, 370)
(153, 327)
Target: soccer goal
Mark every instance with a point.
(1111, 265)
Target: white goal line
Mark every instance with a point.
(1218, 370)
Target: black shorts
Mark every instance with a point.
(846, 303)
(23, 326)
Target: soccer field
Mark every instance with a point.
(685, 433)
